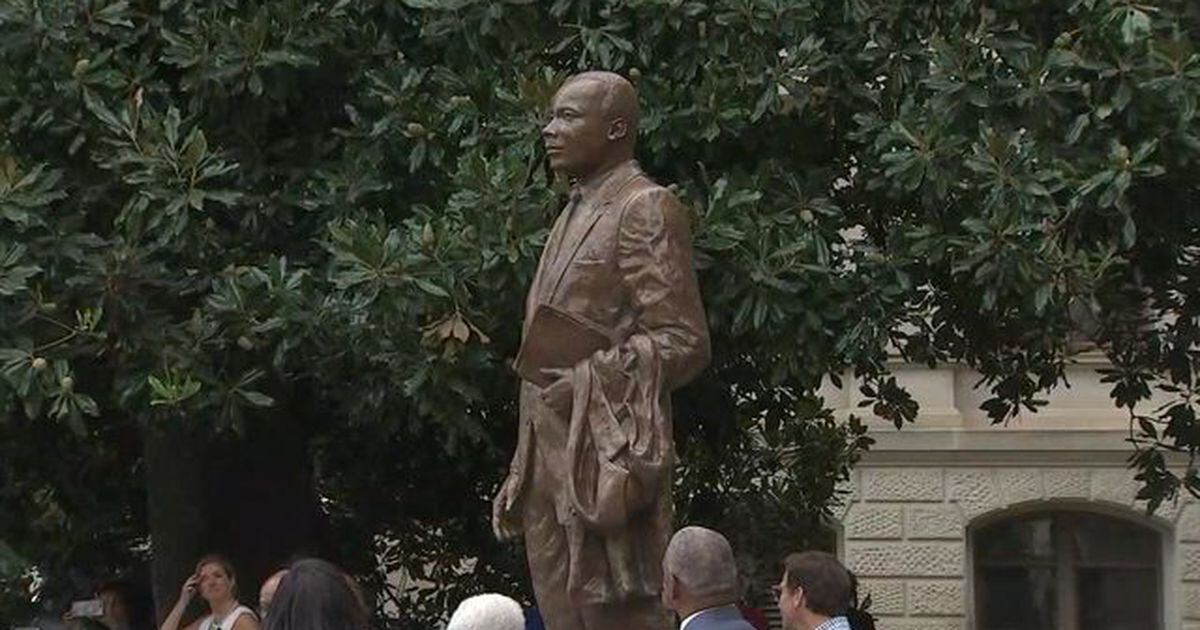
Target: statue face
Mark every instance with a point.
(579, 135)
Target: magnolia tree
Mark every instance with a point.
(262, 264)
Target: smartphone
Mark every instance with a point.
(93, 608)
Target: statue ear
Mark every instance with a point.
(617, 129)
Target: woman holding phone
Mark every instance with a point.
(216, 583)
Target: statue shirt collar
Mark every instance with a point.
(596, 184)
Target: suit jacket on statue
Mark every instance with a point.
(621, 257)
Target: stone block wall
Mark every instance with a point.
(1188, 534)
(905, 533)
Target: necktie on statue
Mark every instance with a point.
(573, 204)
(568, 217)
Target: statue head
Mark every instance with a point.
(593, 124)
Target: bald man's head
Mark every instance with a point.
(699, 570)
(267, 593)
(593, 124)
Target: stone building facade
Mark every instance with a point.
(1048, 496)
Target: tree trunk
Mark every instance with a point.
(264, 510)
(249, 498)
(174, 494)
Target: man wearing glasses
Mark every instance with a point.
(814, 593)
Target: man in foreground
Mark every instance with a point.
(700, 581)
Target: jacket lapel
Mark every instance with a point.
(575, 238)
(546, 262)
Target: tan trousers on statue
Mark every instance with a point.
(547, 553)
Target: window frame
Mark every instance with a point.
(1066, 582)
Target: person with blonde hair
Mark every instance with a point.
(216, 582)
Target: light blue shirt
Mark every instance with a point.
(684, 625)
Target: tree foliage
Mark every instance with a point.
(211, 210)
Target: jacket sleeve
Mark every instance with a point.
(655, 262)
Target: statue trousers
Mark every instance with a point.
(549, 560)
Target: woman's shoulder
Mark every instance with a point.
(203, 623)
(240, 618)
(243, 618)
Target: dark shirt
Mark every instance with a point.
(533, 619)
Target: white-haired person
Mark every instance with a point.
(490, 611)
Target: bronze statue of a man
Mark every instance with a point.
(613, 324)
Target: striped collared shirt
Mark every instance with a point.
(834, 623)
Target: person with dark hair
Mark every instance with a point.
(115, 599)
(814, 593)
(317, 595)
(216, 582)
(114, 611)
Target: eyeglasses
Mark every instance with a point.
(778, 590)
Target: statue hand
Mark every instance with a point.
(504, 525)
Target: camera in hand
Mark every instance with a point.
(92, 608)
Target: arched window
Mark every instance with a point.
(1067, 570)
